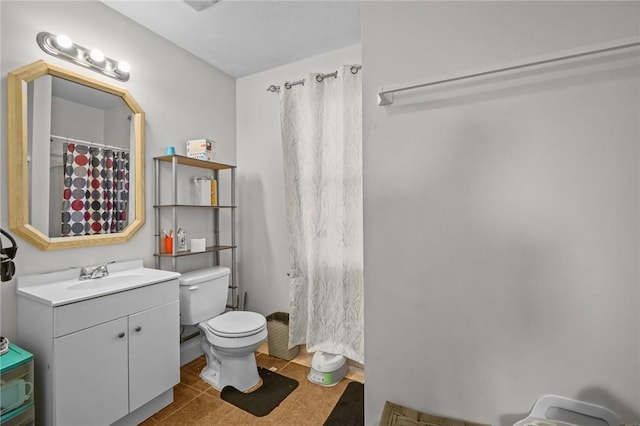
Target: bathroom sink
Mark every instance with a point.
(105, 282)
(64, 287)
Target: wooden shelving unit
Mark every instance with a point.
(174, 207)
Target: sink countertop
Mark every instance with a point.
(63, 287)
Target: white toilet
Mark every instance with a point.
(228, 340)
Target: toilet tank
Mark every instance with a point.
(203, 294)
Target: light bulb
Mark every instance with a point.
(63, 41)
(123, 67)
(96, 56)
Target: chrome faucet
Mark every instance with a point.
(99, 271)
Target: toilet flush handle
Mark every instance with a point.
(193, 288)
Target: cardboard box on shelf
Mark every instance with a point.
(202, 149)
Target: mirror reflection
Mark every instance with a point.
(75, 159)
(82, 136)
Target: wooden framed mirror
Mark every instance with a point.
(31, 134)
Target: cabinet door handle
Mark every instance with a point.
(138, 328)
(193, 287)
(121, 335)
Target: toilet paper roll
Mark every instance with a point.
(198, 244)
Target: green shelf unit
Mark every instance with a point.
(16, 376)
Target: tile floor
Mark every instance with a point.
(197, 403)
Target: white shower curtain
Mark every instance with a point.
(322, 148)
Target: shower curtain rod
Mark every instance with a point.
(385, 94)
(96, 144)
(319, 77)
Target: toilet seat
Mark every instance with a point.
(236, 324)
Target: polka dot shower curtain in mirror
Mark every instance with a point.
(96, 190)
(322, 148)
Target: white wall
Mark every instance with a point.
(39, 119)
(263, 251)
(501, 228)
(183, 98)
(117, 126)
(76, 120)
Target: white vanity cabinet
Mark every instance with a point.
(104, 360)
(90, 375)
(107, 370)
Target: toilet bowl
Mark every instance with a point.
(229, 339)
(229, 342)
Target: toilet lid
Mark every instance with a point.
(237, 324)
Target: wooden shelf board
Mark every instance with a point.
(192, 205)
(195, 162)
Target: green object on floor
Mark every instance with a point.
(275, 388)
(349, 410)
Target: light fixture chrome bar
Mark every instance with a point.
(89, 143)
(319, 78)
(385, 95)
(200, 5)
(82, 56)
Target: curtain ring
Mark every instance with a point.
(287, 85)
(319, 78)
(354, 69)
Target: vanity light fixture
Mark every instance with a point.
(62, 47)
(123, 67)
(63, 41)
(96, 56)
(200, 5)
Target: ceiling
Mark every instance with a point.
(245, 37)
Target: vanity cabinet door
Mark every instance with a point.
(154, 358)
(91, 375)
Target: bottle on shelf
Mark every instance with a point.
(181, 242)
(214, 192)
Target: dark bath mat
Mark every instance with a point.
(275, 388)
(349, 410)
